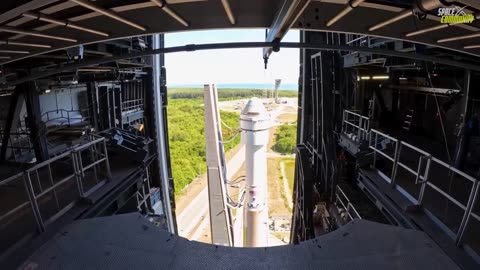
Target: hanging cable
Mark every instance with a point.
(439, 115)
(231, 139)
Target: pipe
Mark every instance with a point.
(353, 4)
(458, 38)
(426, 30)
(228, 10)
(14, 52)
(108, 13)
(241, 45)
(161, 4)
(34, 33)
(66, 23)
(8, 42)
(402, 15)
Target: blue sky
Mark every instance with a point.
(232, 65)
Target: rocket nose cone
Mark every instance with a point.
(254, 107)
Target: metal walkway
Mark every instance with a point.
(130, 242)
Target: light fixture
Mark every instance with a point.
(14, 30)
(47, 91)
(108, 13)
(458, 38)
(365, 78)
(401, 15)
(66, 23)
(15, 43)
(381, 77)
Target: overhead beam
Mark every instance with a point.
(14, 30)
(163, 5)
(240, 45)
(288, 13)
(66, 23)
(108, 13)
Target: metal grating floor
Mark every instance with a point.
(130, 242)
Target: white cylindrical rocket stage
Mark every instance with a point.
(255, 122)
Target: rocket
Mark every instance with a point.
(255, 123)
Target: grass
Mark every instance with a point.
(289, 164)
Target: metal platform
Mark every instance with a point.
(131, 242)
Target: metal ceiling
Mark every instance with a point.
(42, 26)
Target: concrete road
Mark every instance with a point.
(197, 211)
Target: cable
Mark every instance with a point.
(439, 114)
(231, 139)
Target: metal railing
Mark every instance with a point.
(51, 188)
(421, 178)
(355, 126)
(385, 146)
(423, 184)
(341, 200)
(68, 115)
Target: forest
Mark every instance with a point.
(285, 139)
(187, 138)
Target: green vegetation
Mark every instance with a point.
(285, 139)
(289, 171)
(224, 93)
(187, 138)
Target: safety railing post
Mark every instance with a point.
(77, 173)
(107, 162)
(467, 214)
(424, 181)
(33, 201)
(375, 151)
(396, 157)
(359, 132)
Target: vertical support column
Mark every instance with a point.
(104, 105)
(220, 218)
(462, 137)
(38, 129)
(14, 109)
(161, 135)
(92, 104)
(118, 104)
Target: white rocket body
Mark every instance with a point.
(255, 122)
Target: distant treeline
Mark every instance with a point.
(225, 93)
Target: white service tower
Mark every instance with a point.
(255, 122)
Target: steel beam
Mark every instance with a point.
(161, 134)
(11, 121)
(286, 15)
(220, 218)
(238, 45)
(38, 129)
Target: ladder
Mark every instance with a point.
(407, 123)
